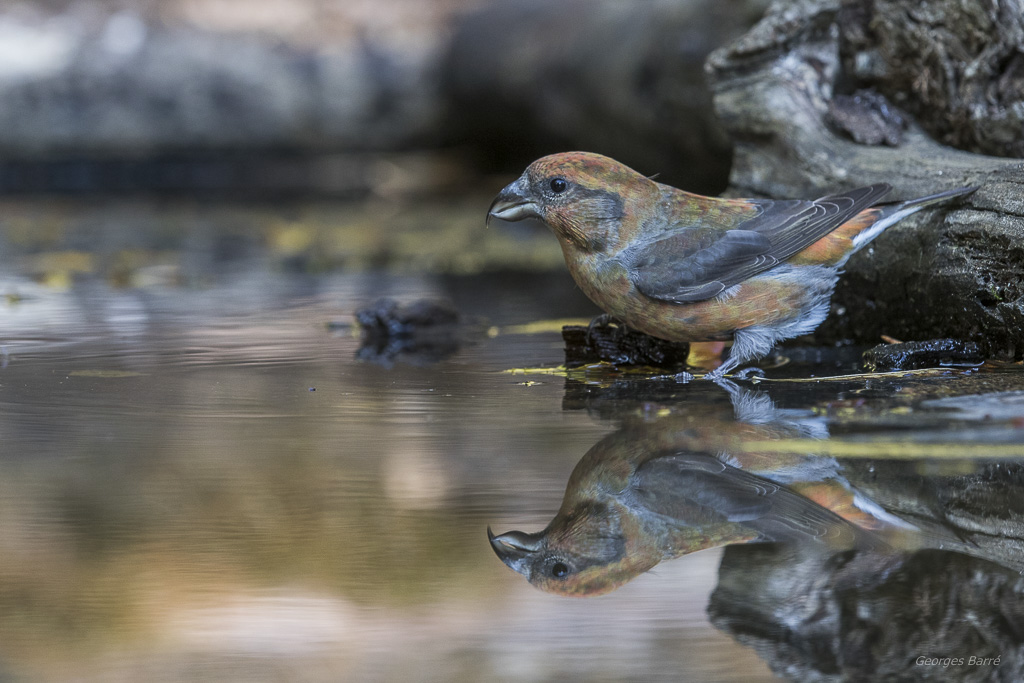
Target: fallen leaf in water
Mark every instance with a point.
(104, 373)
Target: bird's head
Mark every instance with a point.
(589, 551)
(583, 197)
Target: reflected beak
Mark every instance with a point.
(515, 549)
(511, 205)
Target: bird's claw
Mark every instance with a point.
(602, 320)
(715, 375)
(718, 374)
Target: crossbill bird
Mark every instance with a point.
(640, 497)
(685, 267)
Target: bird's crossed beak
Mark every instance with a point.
(515, 549)
(511, 205)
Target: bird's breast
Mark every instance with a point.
(773, 298)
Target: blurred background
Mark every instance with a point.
(161, 140)
(150, 125)
(293, 96)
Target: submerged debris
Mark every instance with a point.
(620, 345)
(923, 354)
(420, 333)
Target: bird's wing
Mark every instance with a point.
(694, 263)
(700, 489)
(695, 489)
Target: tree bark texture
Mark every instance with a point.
(823, 94)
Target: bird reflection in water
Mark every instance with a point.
(850, 591)
(662, 487)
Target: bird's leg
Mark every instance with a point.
(718, 374)
(748, 344)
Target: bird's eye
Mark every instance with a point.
(559, 570)
(559, 185)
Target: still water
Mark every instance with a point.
(208, 483)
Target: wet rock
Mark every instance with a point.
(948, 592)
(954, 271)
(957, 67)
(386, 318)
(981, 512)
(621, 346)
(924, 354)
(419, 333)
(929, 615)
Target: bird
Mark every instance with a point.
(649, 493)
(690, 268)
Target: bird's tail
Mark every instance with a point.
(893, 213)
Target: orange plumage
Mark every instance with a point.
(641, 496)
(684, 267)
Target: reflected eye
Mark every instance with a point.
(559, 185)
(559, 570)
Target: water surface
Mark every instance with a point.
(202, 481)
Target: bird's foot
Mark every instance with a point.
(718, 374)
(747, 373)
(603, 320)
(683, 377)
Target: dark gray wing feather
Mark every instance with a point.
(694, 489)
(693, 263)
